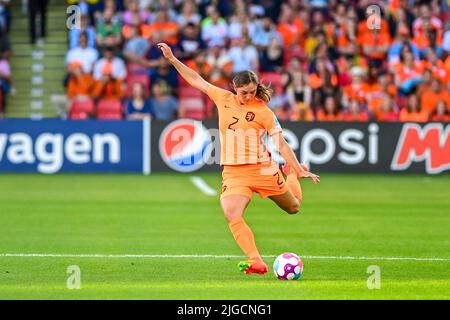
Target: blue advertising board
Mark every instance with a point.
(53, 146)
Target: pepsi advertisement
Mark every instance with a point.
(53, 146)
(188, 146)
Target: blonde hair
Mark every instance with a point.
(263, 92)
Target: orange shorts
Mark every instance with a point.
(263, 178)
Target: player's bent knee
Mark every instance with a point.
(232, 214)
(294, 208)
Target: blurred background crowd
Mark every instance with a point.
(326, 60)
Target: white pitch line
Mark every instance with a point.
(201, 184)
(202, 256)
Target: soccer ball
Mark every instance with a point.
(288, 266)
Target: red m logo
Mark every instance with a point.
(430, 144)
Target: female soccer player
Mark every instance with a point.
(244, 122)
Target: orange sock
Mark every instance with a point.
(244, 238)
(294, 186)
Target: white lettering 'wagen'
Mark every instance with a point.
(50, 150)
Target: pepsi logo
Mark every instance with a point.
(183, 145)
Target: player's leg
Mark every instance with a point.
(293, 182)
(287, 201)
(290, 201)
(233, 207)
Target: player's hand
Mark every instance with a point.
(167, 52)
(314, 177)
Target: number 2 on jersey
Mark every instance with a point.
(233, 123)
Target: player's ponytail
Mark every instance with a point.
(263, 92)
(243, 78)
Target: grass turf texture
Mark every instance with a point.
(345, 215)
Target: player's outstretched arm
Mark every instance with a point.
(289, 155)
(192, 77)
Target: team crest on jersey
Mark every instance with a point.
(249, 116)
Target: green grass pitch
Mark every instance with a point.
(354, 216)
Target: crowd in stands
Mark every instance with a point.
(326, 60)
(5, 54)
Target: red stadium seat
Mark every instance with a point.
(297, 52)
(109, 109)
(194, 107)
(133, 68)
(182, 82)
(81, 109)
(190, 92)
(272, 78)
(131, 79)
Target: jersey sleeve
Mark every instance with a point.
(217, 94)
(272, 124)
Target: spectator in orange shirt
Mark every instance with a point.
(413, 112)
(429, 37)
(435, 64)
(200, 65)
(363, 29)
(430, 98)
(169, 29)
(447, 66)
(330, 112)
(442, 112)
(426, 19)
(80, 84)
(376, 45)
(355, 90)
(371, 83)
(345, 32)
(425, 86)
(355, 112)
(107, 87)
(222, 66)
(408, 73)
(376, 98)
(388, 110)
(323, 80)
(290, 29)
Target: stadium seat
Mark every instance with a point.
(291, 53)
(133, 68)
(189, 92)
(137, 78)
(182, 82)
(81, 109)
(272, 78)
(109, 109)
(194, 107)
(209, 107)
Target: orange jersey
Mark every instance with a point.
(243, 128)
